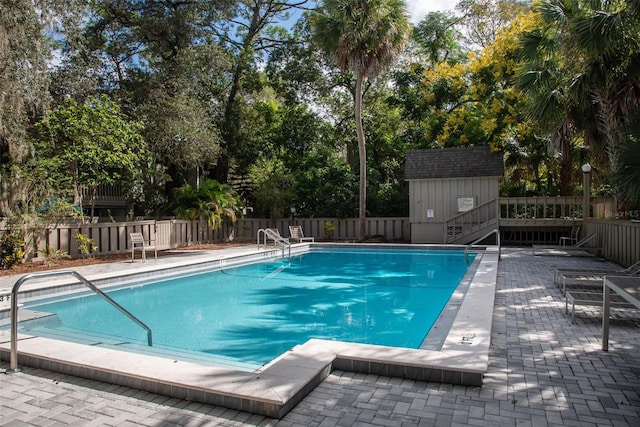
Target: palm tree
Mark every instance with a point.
(362, 37)
(545, 79)
(627, 177)
(583, 67)
(212, 201)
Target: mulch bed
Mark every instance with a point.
(34, 267)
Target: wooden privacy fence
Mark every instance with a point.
(113, 237)
(619, 240)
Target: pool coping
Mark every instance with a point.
(276, 388)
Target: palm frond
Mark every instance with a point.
(598, 33)
(627, 177)
(558, 11)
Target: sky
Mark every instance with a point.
(419, 8)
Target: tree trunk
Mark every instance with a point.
(92, 210)
(229, 130)
(561, 139)
(611, 113)
(362, 151)
(77, 196)
(221, 171)
(565, 175)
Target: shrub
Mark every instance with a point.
(329, 228)
(53, 256)
(11, 251)
(85, 245)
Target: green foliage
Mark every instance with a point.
(272, 186)
(329, 228)
(297, 72)
(211, 201)
(474, 102)
(437, 37)
(252, 41)
(387, 192)
(181, 131)
(362, 38)
(53, 256)
(37, 212)
(11, 251)
(483, 19)
(23, 55)
(324, 186)
(25, 59)
(578, 65)
(627, 177)
(209, 104)
(54, 210)
(87, 145)
(389, 199)
(86, 246)
(377, 32)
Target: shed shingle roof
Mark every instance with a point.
(461, 162)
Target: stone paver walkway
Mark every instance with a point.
(543, 370)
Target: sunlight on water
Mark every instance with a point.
(254, 313)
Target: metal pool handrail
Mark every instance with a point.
(495, 231)
(14, 310)
(274, 235)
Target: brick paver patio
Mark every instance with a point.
(543, 370)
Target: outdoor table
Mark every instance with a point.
(628, 288)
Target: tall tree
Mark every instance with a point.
(88, 145)
(250, 35)
(582, 70)
(161, 62)
(484, 18)
(627, 177)
(25, 51)
(438, 37)
(363, 37)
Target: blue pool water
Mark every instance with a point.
(254, 313)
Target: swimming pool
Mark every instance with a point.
(253, 313)
(456, 350)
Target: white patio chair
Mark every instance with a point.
(138, 242)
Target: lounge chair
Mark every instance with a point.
(572, 239)
(274, 234)
(295, 231)
(577, 249)
(577, 245)
(578, 271)
(138, 242)
(594, 299)
(593, 279)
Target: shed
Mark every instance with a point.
(453, 193)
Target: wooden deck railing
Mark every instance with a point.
(106, 195)
(558, 210)
(479, 218)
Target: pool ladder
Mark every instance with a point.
(473, 244)
(14, 310)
